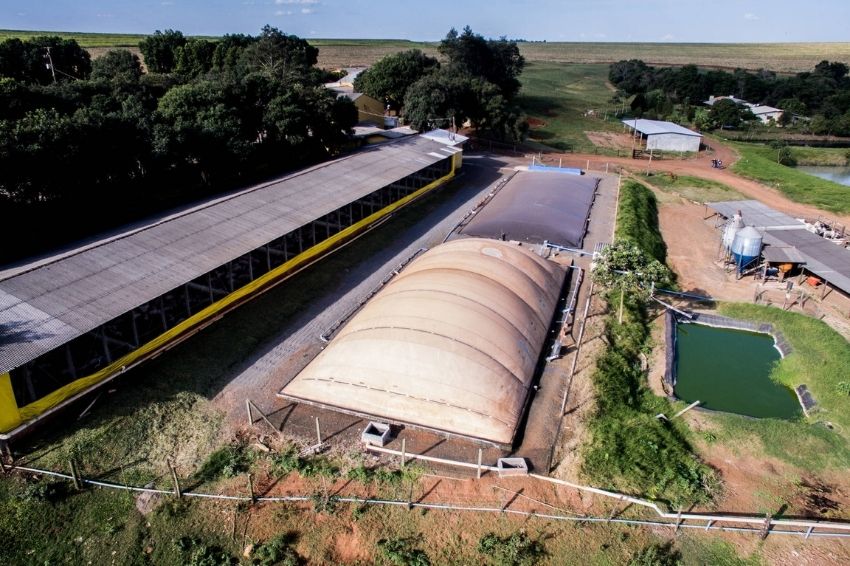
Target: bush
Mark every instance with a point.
(515, 550)
(402, 551)
(289, 461)
(225, 462)
(277, 551)
(197, 553)
(657, 555)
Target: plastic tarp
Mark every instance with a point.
(10, 417)
(535, 207)
(78, 386)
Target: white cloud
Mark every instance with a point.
(668, 37)
(749, 16)
(284, 13)
(296, 1)
(307, 10)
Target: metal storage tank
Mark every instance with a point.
(733, 226)
(746, 246)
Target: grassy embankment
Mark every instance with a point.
(629, 448)
(820, 359)
(758, 162)
(692, 188)
(556, 98)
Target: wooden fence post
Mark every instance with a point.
(250, 416)
(177, 491)
(251, 489)
(403, 450)
(75, 475)
(479, 463)
(318, 432)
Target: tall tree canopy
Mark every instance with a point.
(160, 50)
(497, 61)
(206, 117)
(29, 61)
(388, 79)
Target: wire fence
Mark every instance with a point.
(712, 523)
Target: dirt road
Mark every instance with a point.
(700, 166)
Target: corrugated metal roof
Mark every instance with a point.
(825, 259)
(50, 302)
(650, 127)
(450, 343)
(757, 215)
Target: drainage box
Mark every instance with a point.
(512, 467)
(376, 434)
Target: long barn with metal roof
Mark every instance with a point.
(75, 320)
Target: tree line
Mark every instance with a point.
(821, 96)
(477, 81)
(79, 137)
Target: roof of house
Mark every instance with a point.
(450, 344)
(652, 127)
(49, 302)
(759, 109)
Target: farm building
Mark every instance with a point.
(449, 345)
(765, 114)
(74, 321)
(792, 243)
(665, 136)
(538, 206)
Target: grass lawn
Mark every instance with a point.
(758, 161)
(823, 156)
(692, 188)
(86, 40)
(820, 359)
(557, 96)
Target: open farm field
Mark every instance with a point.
(781, 57)
(565, 101)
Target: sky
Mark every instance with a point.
(721, 21)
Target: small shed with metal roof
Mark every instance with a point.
(665, 136)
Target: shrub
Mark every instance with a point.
(197, 553)
(277, 551)
(515, 550)
(657, 555)
(226, 462)
(402, 551)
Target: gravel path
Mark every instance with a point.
(272, 366)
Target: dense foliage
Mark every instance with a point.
(207, 116)
(822, 94)
(477, 82)
(630, 448)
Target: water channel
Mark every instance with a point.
(840, 175)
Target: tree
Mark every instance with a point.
(280, 56)
(497, 61)
(625, 266)
(119, 65)
(198, 127)
(29, 61)
(440, 99)
(391, 77)
(160, 50)
(729, 114)
(194, 58)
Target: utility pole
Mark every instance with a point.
(50, 64)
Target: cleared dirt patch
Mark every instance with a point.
(610, 140)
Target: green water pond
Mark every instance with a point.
(729, 370)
